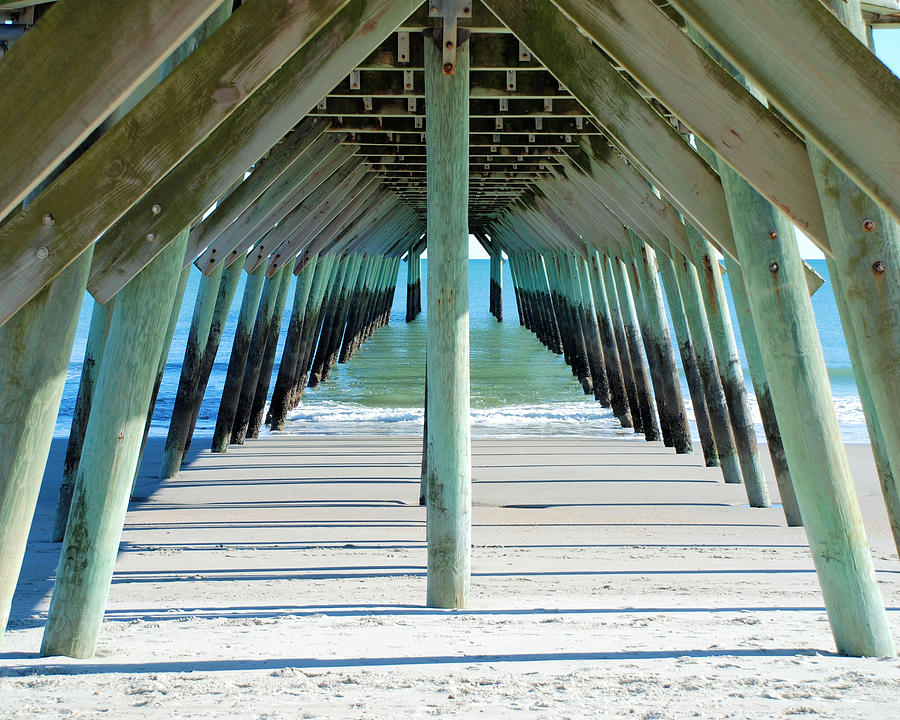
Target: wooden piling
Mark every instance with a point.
(618, 395)
(108, 460)
(35, 346)
(763, 394)
(198, 334)
(729, 365)
(238, 360)
(591, 330)
(268, 360)
(688, 360)
(644, 261)
(255, 351)
(449, 467)
(290, 356)
(792, 353)
(225, 298)
(720, 421)
(90, 368)
(619, 287)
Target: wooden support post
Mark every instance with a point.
(313, 330)
(588, 315)
(618, 394)
(227, 289)
(632, 336)
(720, 421)
(268, 360)
(497, 284)
(673, 404)
(198, 335)
(111, 447)
(360, 308)
(174, 312)
(792, 353)
(449, 522)
(729, 366)
(333, 345)
(763, 394)
(35, 346)
(329, 320)
(290, 356)
(866, 255)
(90, 369)
(255, 351)
(688, 360)
(238, 360)
(886, 477)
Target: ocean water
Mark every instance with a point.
(518, 387)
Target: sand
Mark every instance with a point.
(286, 579)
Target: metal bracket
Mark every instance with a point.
(354, 80)
(451, 11)
(403, 46)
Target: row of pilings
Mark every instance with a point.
(338, 302)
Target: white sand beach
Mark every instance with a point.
(611, 578)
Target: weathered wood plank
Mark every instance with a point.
(820, 76)
(104, 52)
(654, 145)
(356, 27)
(743, 131)
(86, 199)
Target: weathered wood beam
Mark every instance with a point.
(86, 199)
(362, 21)
(448, 481)
(820, 76)
(316, 165)
(111, 446)
(265, 173)
(103, 53)
(337, 185)
(651, 143)
(337, 216)
(743, 131)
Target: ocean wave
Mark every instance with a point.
(567, 418)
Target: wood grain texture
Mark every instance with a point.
(821, 76)
(104, 52)
(111, 447)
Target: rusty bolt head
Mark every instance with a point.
(150, 237)
(878, 267)
(773, 267)
(449, 44)
(42, 252)
(868, 225)
(448, 68)
(773, 234)
(156, 209)
(48, 219)
(121, 436)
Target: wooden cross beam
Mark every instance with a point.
(824, 80)
(92, 56)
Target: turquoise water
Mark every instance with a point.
(518, 387)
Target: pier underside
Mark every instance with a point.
(624, 158)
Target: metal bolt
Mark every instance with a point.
(156, 209)
(773, 267)
(878, 267)
(448, 68)
(48, 219)
(150, 237)
(449, 44)
(868, 225)
(773, 234)
(42, 252)
(121, 436)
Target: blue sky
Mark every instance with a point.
(887, 48)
